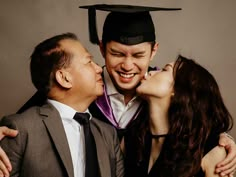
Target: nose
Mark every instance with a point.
(127, 64)
(150, 74)
(98, 68)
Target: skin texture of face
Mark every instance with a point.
(158, 84)
(127, 64)
(83, 73)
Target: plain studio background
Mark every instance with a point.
(204, 29)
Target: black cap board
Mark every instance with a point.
(126, 24)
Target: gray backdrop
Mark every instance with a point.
(203, 30)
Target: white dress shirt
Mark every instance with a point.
(75, 136)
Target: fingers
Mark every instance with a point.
(226, 139)
(230, 175)
(228, 169)
(5, 131)
(228, 165)
(230, 159)
(1, 174)
(3, 171)
(5, 164)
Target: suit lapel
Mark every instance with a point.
(55, 128)
(103, 159)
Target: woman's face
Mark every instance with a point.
(158, 83)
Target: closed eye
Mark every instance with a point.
(90, 60)
(167, 67)
(117, 54)
(138, 56)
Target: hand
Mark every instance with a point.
(5, 131)
(5, 165)
(228, 165)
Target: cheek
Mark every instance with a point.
(143, 65)
(87, 75)
(158, 86)
(164, 88)
(111, 60)
(146, 87)
(140, 89)
(110, 65)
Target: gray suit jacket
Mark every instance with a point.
(41, 148)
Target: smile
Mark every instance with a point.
(126, 75)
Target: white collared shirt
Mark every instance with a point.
(123, 113)
(75, 136)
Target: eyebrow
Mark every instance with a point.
(168, 65)
(114, 50)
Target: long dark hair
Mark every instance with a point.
(196, 113)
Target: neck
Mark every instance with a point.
(158, 120)
(128, 95)
(78, 103)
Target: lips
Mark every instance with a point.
(127, 76)
(100, 81)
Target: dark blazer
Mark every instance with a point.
(41, 148)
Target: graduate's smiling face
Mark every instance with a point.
(127, 46)
(127, 64)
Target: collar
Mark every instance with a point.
(64, 110)
(111, 89)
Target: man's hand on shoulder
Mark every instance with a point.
(210, 160)
(5, 131)
(228, 165)
(5, 165)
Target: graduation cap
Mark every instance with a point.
(125, 24)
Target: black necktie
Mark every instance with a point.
(91, 165)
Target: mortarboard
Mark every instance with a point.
(126, 24)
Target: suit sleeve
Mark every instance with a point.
(13, 146)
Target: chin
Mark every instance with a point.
(139, 89)
(127, 86)
(141, 92)
(100, 93)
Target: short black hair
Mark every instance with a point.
(47, 57)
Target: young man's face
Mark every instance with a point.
(127, 64)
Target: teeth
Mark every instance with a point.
(126, 75)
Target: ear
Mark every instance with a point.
(154, 51)
(63, 78)
(102, 48)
